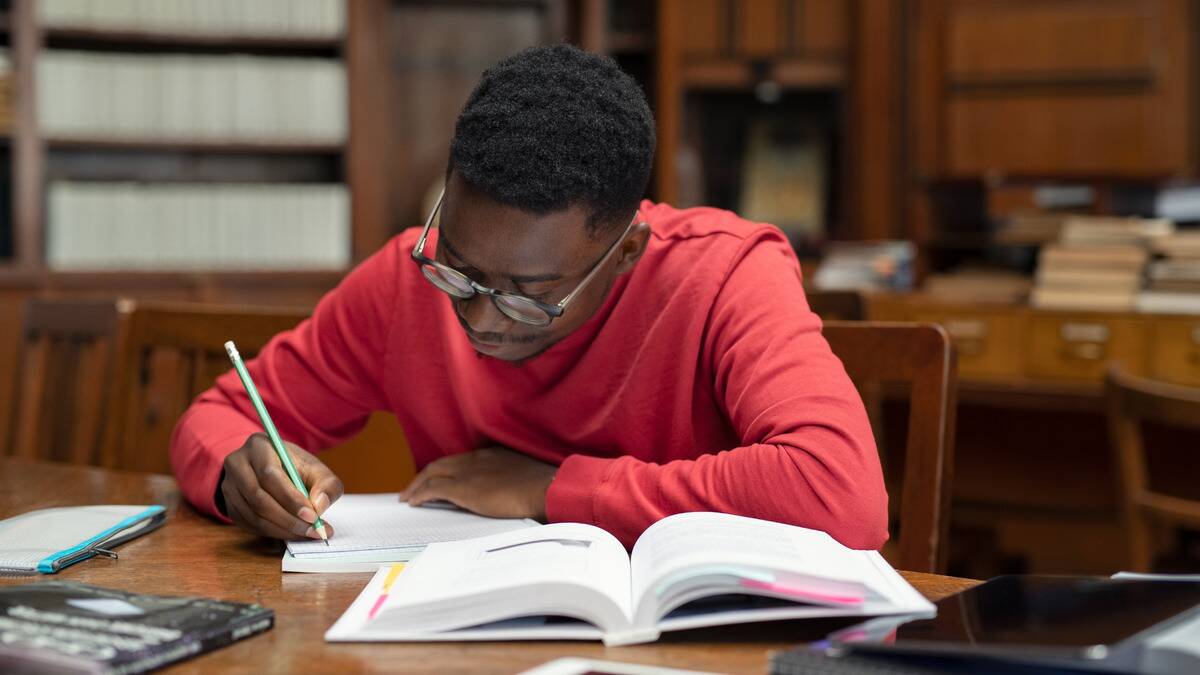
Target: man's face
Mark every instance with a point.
(540, 256)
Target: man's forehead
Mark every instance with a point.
(517, 276)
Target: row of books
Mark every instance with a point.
(187, 97)
(198, 226)
(287, 18)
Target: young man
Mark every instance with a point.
(557, 348)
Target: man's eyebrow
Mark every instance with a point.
(515, 278)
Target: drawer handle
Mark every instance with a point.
(1084, 332)
(1083, 351)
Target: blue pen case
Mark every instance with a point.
(48, 540)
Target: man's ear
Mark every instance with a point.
(633, 247)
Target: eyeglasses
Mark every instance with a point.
(513, 305)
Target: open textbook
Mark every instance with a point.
(574, 581)
(375, 529)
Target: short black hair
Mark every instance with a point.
(552, 127)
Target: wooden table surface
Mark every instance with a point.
(192, 555)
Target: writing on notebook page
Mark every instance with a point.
(382, 521)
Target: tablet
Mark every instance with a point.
(1094, 622)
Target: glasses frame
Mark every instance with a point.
(552, 311)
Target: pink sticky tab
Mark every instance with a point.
(796, 592)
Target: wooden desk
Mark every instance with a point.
(191, 555)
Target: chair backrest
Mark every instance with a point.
(836, 305)
(172, 353)
(921, 357)
(175, 351)
(1132, 402)
(67, 349)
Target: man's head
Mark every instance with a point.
(550, 157)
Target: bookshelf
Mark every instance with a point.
(42, 153)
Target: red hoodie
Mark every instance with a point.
(701, 384)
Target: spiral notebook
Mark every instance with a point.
(48, 540)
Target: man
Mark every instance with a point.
(557, 348)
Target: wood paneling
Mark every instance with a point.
(1007, 41)
(1120, 134)
(760, 28)
(823, 26)
(1060, 88)
(874, 167)
(703, 27)
(11, 312)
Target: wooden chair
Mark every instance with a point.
(920, 357)
(173, 352)
(64, 369)
(1132, 402)
(837, 305)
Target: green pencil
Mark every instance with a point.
(276, 441)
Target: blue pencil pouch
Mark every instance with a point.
(48, 540)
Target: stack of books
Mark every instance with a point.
(1173, 278)
(970, 285)
(867, 266)
(1097, 264)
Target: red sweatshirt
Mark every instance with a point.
(701, 384)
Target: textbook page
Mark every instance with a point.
(757, 553)
(564, 569)
(368, 522)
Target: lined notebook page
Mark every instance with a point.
(378, 521)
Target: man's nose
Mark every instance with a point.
(482, 315)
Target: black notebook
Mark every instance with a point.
(64, 627)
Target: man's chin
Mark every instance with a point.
(516, 353)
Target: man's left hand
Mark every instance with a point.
(494, 482)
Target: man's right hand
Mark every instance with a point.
(260, 497)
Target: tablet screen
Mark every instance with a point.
(1053, 612)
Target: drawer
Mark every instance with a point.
(989, 344)
(1175, 351)
(1080, 347)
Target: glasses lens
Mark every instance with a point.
(521, 309)
(449, 281)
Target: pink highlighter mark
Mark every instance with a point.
(796, 592)
(387, 587)
(376, 606)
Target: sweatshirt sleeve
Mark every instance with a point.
(320, 381)
(807, 455)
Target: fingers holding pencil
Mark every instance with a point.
(260, 497)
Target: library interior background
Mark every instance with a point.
(1025, 175)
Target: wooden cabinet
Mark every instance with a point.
(1057, 87)
(1081, 346)
(1175, 351)
(761, 29)
(990, 343)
